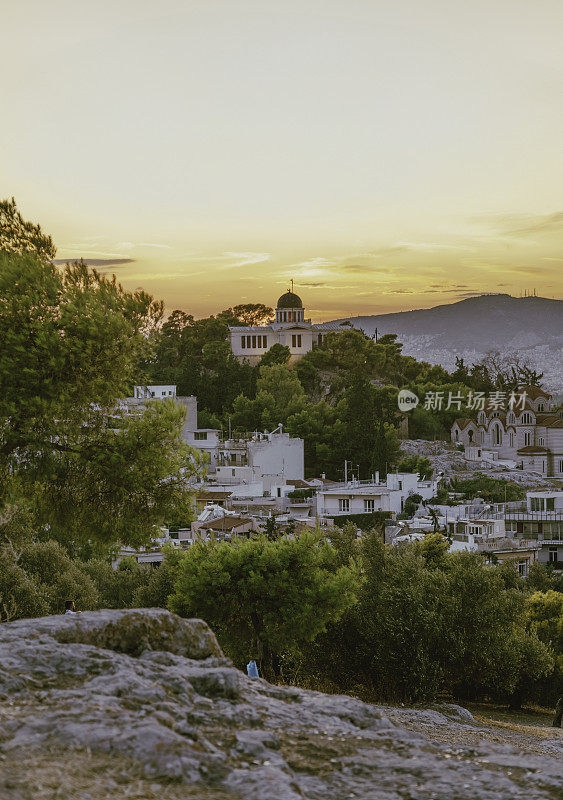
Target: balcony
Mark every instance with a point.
(533, 516)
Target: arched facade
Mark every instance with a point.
(532, 437)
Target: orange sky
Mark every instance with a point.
(386, 155)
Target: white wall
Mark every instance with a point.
(329, 504)
(154, 392)
(278, 454)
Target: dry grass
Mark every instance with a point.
(81, 775)
(535, 722)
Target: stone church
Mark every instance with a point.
(531, 436)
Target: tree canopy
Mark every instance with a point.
(275, 595)
(72, 344)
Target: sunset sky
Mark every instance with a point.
(387, 155)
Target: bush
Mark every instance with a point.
(116, 587)
(429, 622)
(159, 584)
(264, 599)
(37, 578)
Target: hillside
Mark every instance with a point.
(530, 326)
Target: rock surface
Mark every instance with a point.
(149, 697)
(445, 457)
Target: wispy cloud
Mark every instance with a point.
(242, 259)
(317, 261)
(81, 251)
(366, 268)
(525, 224)
(97, 262)
(131, 245)
(431, 246)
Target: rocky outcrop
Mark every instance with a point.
(150, 695)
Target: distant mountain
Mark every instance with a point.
(530, 326)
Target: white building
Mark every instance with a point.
(289, 329)
(530, 437)
(154, 392)
(365, 497)
(480, 529)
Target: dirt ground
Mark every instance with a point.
(527, 729)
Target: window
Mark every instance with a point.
(296, 340)
(540, 406)
(369, 506)
(254, 341)
(552, 555)
(511, 439)
(200, 436)
(527, 439)
(560, 465)
(344, 504)
(523, 567)
(550, 503)
(541, 441)
(497, 435)
(243, 342)
(526, 418)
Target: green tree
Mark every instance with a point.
(277, 354)
(427, 622)
(544, 615)
(72, 341)
(59, 577)
(21, 595)
(387, 643)
(417, 464)
(117, 588)
(434, 549)
(37, 577)
(386, 449)
(196, 356)
(19, 236)
(264, 597)
(321, 427)
(493, 490)
(486, 648)
(159, 583)
(279, 395)
(252, 313)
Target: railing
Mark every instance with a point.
(510, 544)
(534, 516)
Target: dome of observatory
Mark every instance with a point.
(290, 300)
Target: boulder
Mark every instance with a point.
(147, 698)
